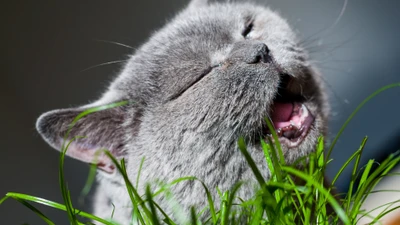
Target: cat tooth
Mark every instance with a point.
(292, 125)
(304, 111)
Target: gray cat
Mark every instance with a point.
(211, 75)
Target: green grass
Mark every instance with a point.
(280, 200)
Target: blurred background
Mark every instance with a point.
(49, 53)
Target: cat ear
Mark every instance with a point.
(198, 3)
(92, 133)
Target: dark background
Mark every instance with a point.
(46, 47)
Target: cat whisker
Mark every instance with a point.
(325, 61)
(330, 47)
(329, 86)
(104, 64)
(344, 7)
(325, 31)
(115, 43)
(336, 70)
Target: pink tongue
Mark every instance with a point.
(281, 112)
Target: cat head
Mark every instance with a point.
(217, 70)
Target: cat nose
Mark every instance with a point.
(262, 54)
(251, 52)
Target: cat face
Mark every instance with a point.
(211, 75)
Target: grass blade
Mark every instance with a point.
(153, 216)
(340, 212)
(354, 174)
(365, 174)
(35, 210)
(193, 216)
(140, 169)
(269, 198)
(133, 194)
(387, 87)
(53, 205)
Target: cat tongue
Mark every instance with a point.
(281, 112)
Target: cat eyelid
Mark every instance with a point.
(248, 28)
(205, 72)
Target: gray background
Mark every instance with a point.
(46, 47)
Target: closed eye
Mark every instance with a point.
(205, 72)
(248, 29)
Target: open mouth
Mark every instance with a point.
(290, 116)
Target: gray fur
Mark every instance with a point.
(197, 86)
(198, 3)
